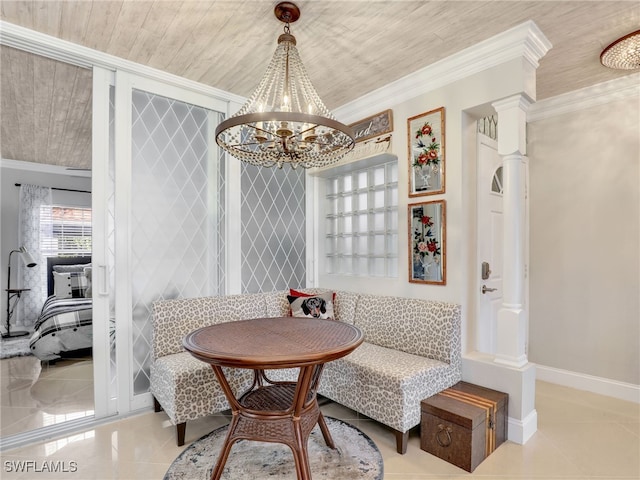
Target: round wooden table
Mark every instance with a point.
(270, 411)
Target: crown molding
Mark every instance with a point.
(42, 168)
(523, 41)
(55, 48)
(619, 89)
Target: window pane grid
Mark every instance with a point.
(65, 231)
(361, 222)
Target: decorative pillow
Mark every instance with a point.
(88, 293)
(71, 268)
(296, 293)
(312, 306)
(69, 285)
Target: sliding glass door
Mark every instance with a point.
(167, 212)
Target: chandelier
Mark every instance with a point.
(624, 53)
(284, 121)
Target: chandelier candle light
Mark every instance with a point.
(284, 120)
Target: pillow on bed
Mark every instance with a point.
(69, 284)
(312, 306)
(70, 268)
(88, 293)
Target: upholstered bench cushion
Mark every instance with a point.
(188, 389)
(420, 327)
(173, 319)
(385, 383)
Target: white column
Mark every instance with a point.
(512, 316)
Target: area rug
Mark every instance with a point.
(14, 347)
(355, 457)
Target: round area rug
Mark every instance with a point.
(355, 456)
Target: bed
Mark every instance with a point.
(65, 324)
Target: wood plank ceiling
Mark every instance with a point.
(349, 48)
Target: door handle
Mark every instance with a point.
(486, 289)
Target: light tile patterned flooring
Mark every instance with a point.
(580, 436)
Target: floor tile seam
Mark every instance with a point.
(625, 426)
(557, 446)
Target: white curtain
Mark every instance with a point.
(32, 199)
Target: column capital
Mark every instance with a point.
(512, 124)
(516, 102)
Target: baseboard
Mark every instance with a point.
(581, 381)
(520, 431)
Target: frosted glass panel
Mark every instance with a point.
(344, 245)
(363, 245)
(346, 224)
(273, 229)
(174, 235)
(362, 265)
(362, 201)
(378, 221)
(363, 179)
(347, 204)
(378, 267)
(378, 244)
(363, 222)
(332, 207)
(331, 227)
(378, 176)
(378, 199)
(393, 196)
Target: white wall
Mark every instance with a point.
(11, 172)
(473, 92)
(464, 100)
(585, 241)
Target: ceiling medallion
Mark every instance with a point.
(285, 121)
(624, 53)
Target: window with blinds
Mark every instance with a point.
(65, 231)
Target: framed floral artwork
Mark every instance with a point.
(426, 153)
(427, 256)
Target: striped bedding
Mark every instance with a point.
(64, 325)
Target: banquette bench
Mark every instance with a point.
(411, 351)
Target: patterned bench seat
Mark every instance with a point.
(412, 350)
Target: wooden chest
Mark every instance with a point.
(464, 424)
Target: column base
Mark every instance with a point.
(515, 362)
(519, 382)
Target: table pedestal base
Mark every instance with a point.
(284, 412)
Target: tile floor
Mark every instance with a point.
(580, 436)
(35, 394)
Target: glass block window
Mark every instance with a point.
(361, 222)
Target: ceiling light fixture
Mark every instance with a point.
(284, 121)
(624, 53)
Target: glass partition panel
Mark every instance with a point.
(174, 251)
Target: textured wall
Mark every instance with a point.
(273, 228)
(585, 241)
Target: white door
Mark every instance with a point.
(489, 234)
